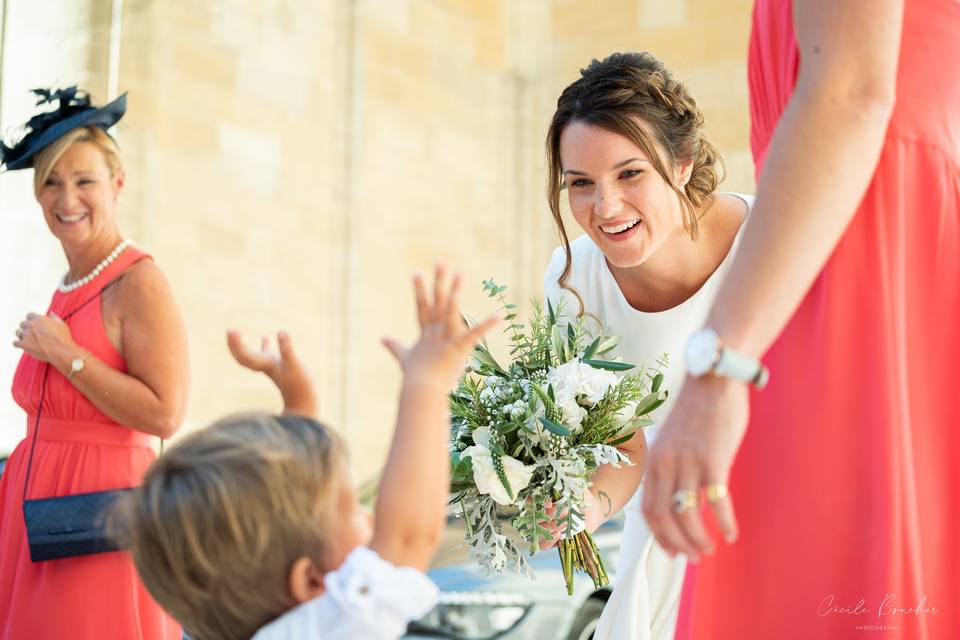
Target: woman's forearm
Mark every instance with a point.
(613, 487)
(820, 161)
(120, 396)
(819, 165)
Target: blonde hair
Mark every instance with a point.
(45, 160)
(222, 516)
(634, 95)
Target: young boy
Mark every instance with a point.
(251, 527)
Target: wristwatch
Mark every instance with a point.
(77, 365)
(705, 354)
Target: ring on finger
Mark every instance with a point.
(716, 491)
(683, 500)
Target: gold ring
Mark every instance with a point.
(683, 500)
(717, 491)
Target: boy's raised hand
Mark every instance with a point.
(411, 504)
(284, 369)
(440, 354)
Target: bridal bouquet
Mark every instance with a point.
(531, 432)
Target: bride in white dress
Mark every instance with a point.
(626, 142)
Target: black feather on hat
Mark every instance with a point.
(74, 111)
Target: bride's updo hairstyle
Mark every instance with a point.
(635, 96)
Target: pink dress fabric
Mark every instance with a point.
(847, 486)
(78, 450)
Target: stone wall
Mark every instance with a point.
(290, 164)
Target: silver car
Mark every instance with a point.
(509, 606)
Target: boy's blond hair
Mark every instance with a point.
(221, 517)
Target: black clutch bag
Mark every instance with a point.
(72, 525)
(68, 526)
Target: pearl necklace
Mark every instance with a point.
(97, 270)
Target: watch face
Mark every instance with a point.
(701, 350)
(76, 365)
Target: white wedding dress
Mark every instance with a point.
(647, 583)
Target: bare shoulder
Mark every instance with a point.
(141, 298)
(143, 286)
(143, 277)
(724, 219)
(731, 209)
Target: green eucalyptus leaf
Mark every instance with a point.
(508, 428)
(559, 344)
(608, 344)
(554, 427)
(622, 439)
(592, 349)
(641, 421)
(657, 382)
(461, 468)
(609, 365)
(651, 402)
(484, 357)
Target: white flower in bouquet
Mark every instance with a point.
(485, 474)
(572, 414)
(574, 380)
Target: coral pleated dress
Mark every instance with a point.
(78, 450)
(847, 486)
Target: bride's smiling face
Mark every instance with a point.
(617, 196)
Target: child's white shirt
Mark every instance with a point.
(366, 598)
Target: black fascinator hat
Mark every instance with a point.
(74, 110)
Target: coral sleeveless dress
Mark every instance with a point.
(847, 485)
(78, 450)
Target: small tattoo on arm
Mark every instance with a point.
(603, 494)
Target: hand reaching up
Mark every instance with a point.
(284, 369)
(440, 355)
(412, 500)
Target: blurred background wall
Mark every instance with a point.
(290, 163)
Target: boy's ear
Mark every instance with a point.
(306, 580)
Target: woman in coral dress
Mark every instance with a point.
(109, 361)
(845, 485)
